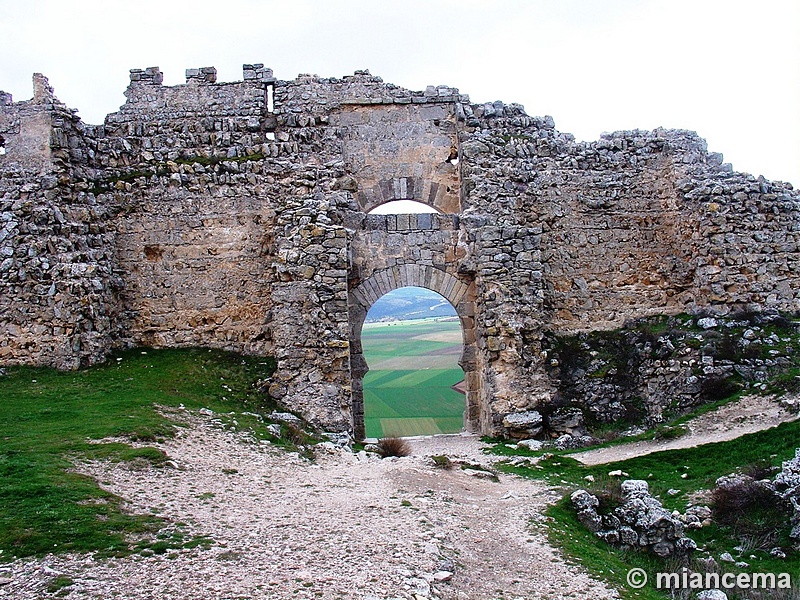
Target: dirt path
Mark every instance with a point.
(345, 527)
(748, 415)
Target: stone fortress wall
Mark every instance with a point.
(234, 215)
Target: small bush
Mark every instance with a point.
(737, 499)
(393, 446)
(296, 435)
(756, 516)
(718, 388)
(758, 470)
(442, 461)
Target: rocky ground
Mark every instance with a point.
(346, 526)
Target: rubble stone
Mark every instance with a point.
(235, 215)
(639, 522)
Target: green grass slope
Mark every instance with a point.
(47, 417)
(689, 473)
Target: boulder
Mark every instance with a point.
(522, 425)
(570, 442)
(533, 445)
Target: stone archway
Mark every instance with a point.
(458, 290)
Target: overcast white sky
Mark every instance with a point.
(728, 69)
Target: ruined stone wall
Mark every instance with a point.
(57, 281)
(745, 238)
(233, 215)
(573, 236)
(638, 222)
(192, 245)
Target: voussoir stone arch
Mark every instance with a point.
(383, 282)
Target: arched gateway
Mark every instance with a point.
(460, 292)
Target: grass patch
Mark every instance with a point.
(57, 584)
(690, 471)
(49, 417)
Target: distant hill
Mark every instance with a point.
(410, 303)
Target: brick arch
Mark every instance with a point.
(460, 292)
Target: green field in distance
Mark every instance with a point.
(413, 366)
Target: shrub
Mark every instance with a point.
(718, 388)
(761, 469)
(393, 446)
(442, 461)
(753, 511)
(735, 496)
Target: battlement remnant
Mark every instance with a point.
(257, 72)
(150, 75)
(204, 74)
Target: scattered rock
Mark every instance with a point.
(340, 439)
(727, 557)
(707, 322)
(285, 417)
(533, 445)
(571, 442)
(777, 553)
(446, 564)
(441, 576)
(712, 595)
(481, 474)
(640, 521)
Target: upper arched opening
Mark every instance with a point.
(402, 207)
(410, 303)
(442, 196)
(382, 282)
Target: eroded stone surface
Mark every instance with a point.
(232, 215)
